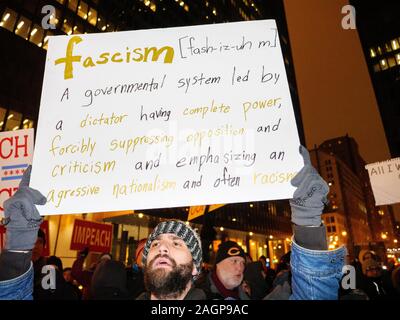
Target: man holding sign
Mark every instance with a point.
(309, 256)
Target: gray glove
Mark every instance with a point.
(310, 196)
(22, 219)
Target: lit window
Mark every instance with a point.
(395, 44)
(2, 116)
(398, 58)
(153, 7)
(214, 12)
(380, 50)
(72, 5)
(78, 29)
(27, 124)
(83, 10)
(186, 7)
(13, 121)
(383, 64)
(8, 20)
(61, 1)
(67, 26)
(92, 17)
(22, 28)
(36, 35)
(391, 62)
(388, 48)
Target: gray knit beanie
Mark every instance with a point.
(183, 231)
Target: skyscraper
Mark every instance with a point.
(378, 26)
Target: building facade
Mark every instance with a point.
(378, 25)
(351, 217)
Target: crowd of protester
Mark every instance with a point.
(169, 263)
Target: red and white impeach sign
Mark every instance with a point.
(44, 227)
(16, 151)
(96, 236)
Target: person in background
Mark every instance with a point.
(174, 252)
(109, 281)
(135, 275)
(71, 281)
(224, 281)
(254, 283)
(270, 273)
(61, 290)
(84, 276)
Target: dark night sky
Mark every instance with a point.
(336, 93)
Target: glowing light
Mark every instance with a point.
(33, 32)
(265, 246)
(271, 236)
(140, 215)
(20, 25)
(221, 229)
(250, 233)
(344, 233)
(6, 17)
(234, 219)
(10, 116)
(383, 236)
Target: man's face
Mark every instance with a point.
(67, 276)
(169, 266)
(230, 272)
(38, 249)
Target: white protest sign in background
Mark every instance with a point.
(385, 181)
(16, 151)
(165, 118)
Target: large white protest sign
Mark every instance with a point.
(385, 181)
(16, 151)
(165, 118)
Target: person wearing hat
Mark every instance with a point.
(224, 281)
(171, 260)
(172, 255)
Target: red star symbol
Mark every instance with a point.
(17, 172)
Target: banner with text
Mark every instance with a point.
(96, 236)
(385, 181)
(16, 151)
(165, 118)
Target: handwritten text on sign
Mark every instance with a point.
(165, 118)
(385, 181)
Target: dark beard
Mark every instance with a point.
(167, 284)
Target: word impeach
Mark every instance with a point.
(96, 236)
